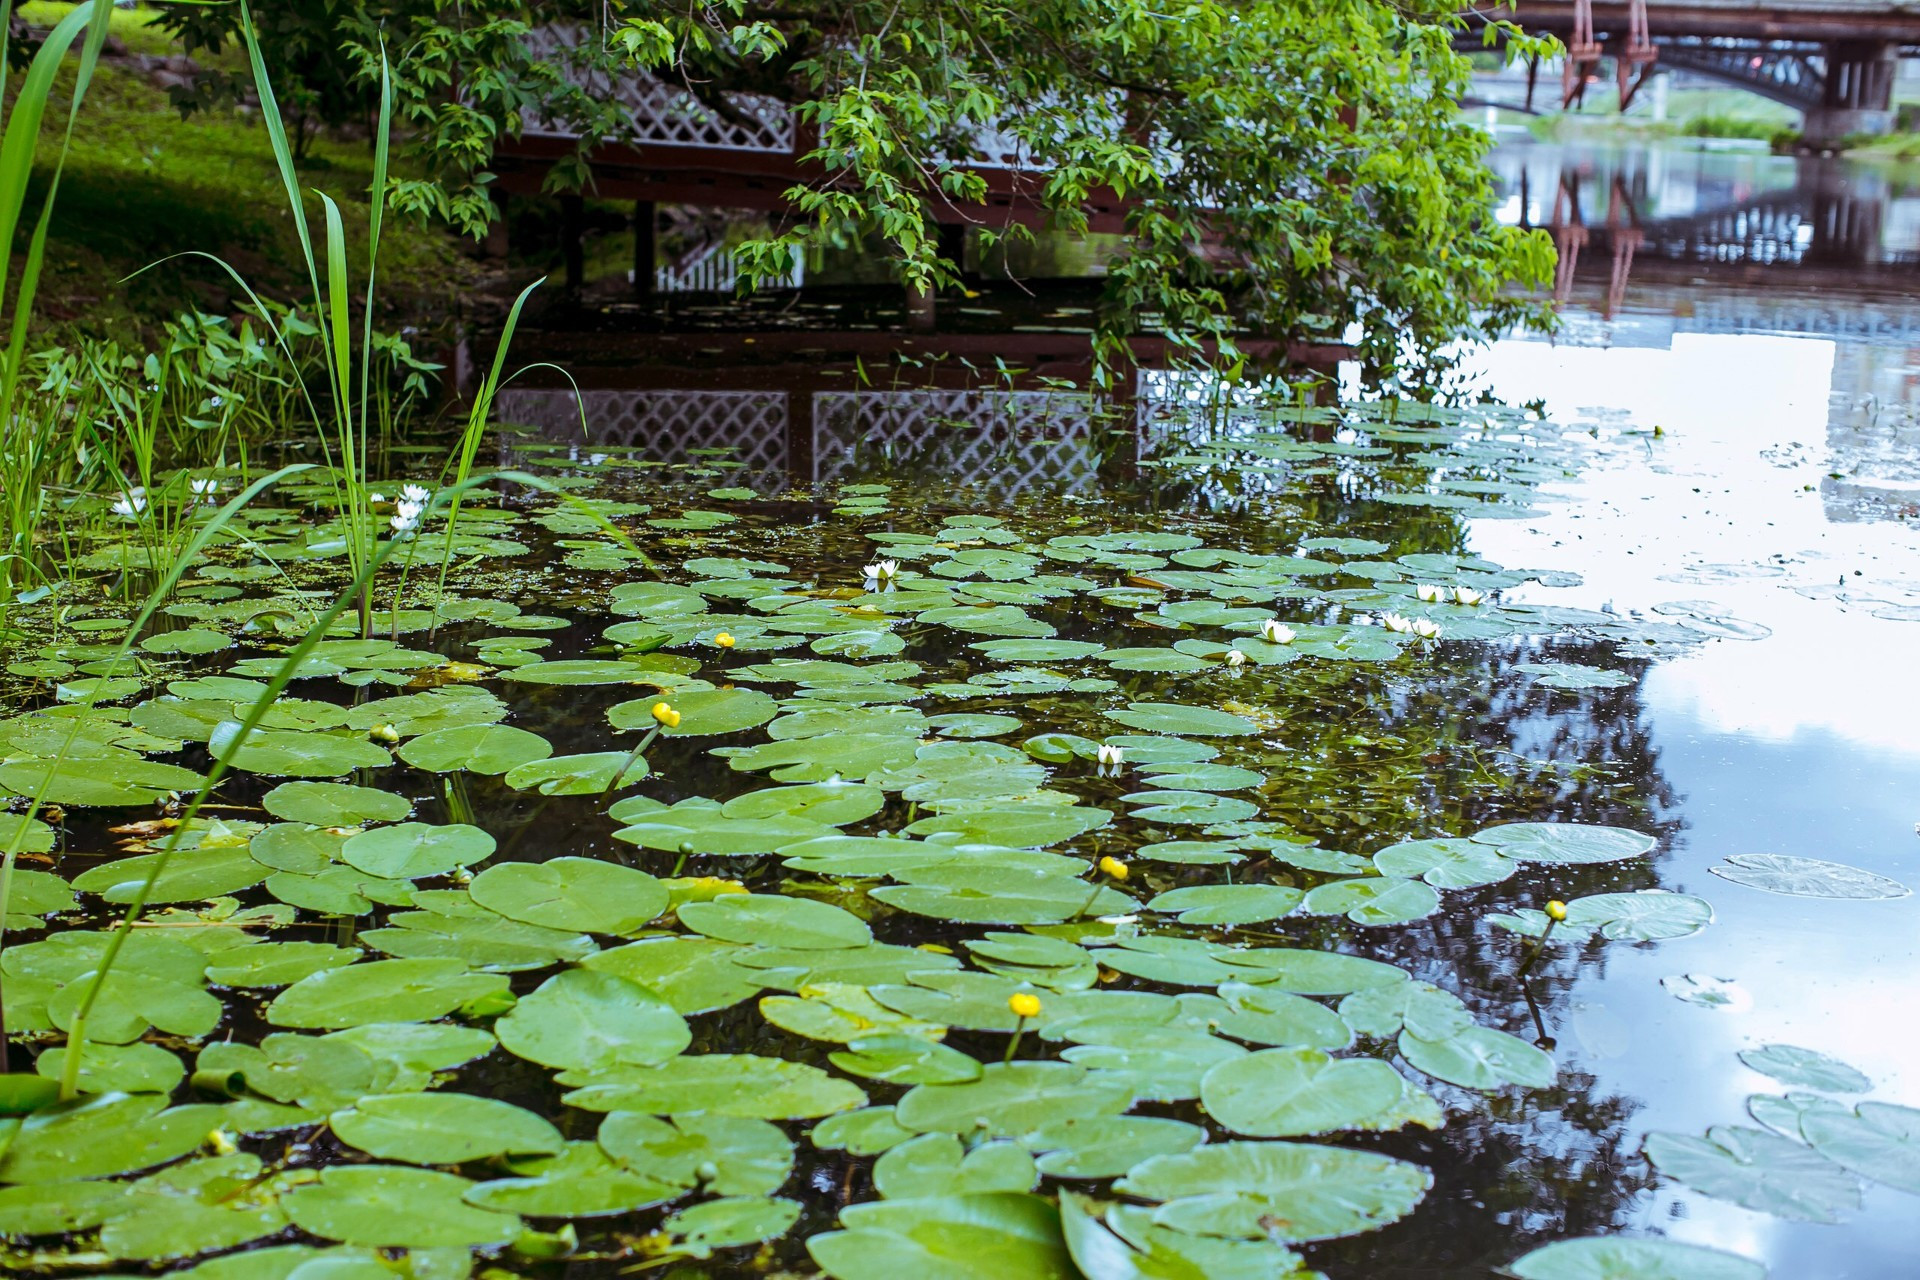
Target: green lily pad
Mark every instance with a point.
(416, 990)
(1480, 1058)
(1228, 904)
(726, 1155)
(580, 894)
(587, 1020)
(1373, 900)
(734, 1084)
(1757, 1170)
(1876, 1140)
(1792, 1065)
(334, 804)
(1011, 1099)
(1807, 877)
(410, 850)
(287, 754)
(1284, 1093)
(389, 1206)
(1290, 1190)
(477, 748)
(964, 1237)
(794, 922)
(442, 1128)
(1564, 842)
(1178, 719)
(1619, 1258)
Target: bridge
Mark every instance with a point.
(1832, 60)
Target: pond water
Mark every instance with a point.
(1676, 603)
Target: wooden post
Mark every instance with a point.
(643, 247)
(953, 245)
(572, 224)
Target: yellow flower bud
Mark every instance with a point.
(1114, 867)
(1024, 1005)
(384, 733)
(665, 714)
(724, 640)
(1556, 910)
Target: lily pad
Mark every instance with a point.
(1806, 877)
(580, 894)
(1289, 1190)
(443, 1128)
(1284, 1093)
(395, 1207)
(1620, 1258)
(1805, 1068)
(1757, 1170)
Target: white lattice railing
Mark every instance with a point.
(660, 114)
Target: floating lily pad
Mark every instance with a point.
(1284, 1093)
(1178, 719)
(442, 1128)
(334, 804)
(1806, 877)
(477, 748)
(414, 849)
(582, 894)
(593, 1021)
(395, 1207)
(1619, 1258)
(1290, 1190)
(1757, 1170)
(1564, 842)
(1806, 1068)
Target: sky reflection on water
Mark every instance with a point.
(1801, 741)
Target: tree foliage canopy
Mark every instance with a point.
(1293, 169)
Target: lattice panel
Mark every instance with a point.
(1005, 441)
(660, 114)
(665, 426)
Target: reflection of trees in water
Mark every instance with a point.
(1467, 743)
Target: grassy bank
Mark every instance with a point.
(142, 184)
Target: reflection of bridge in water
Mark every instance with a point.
(1819, 222)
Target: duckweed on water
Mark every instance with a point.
(692, 916)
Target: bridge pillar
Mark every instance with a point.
(1859, 92)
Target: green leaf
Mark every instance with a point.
(1178, 718)
(1806, 877)
(580, 894)
(442, 1128)
(1479, 1058)
(334, 804)
(100, 1137)
(1011, 1099)
(723, 1154)
(1284, 1093)
(1790, 1064)
(382, 991)
(1564, 842)
(411, 850)
(794, 922)
(1618, 1258)
(935, 1164)
(1373, 900)
(977, 1237)
(477, 748)
(586, 1020)
(1757, 1170)
(1877, 1140)
(388, 1206)
(1287, 1190)
(283, 753)
(735, 1084)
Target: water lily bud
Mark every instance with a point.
(384, 733)
(1235, 658)
(1112, 755)
(1274, 631)
(1113, 867)
(1024, 1005)
(724, 640)
(222, 1142)
(1556, 911)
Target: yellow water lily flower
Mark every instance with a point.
(1114, 867)
(666, 715)
(724, 640)
(1024, 1005)
(1556, 911)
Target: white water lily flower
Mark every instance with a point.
(1112, 755)
(1274, 631)
(1235, 658)
(1395, 622)
(131, 503)
(204, 488)
(415, 494)
(1430, 592)
(376, 498)
(882, 570)
(1467, 595)
(1426, 628)
(406, 516)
